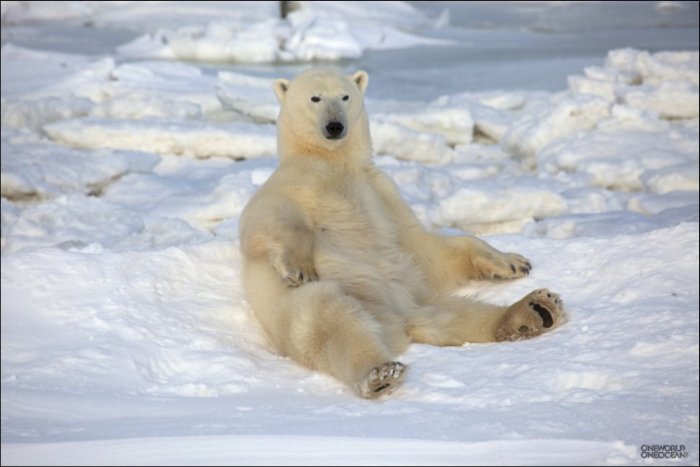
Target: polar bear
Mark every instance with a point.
(338, 269)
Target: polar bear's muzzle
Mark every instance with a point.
(334, 130)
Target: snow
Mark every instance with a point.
(126, 335)
(315, 31)
(167, 136)
(245, 450)
(39, 169)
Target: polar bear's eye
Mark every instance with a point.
(315, 99)
(346, 97)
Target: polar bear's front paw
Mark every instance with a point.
(497, 265)
(299, 277)
(295, 271)
(382, 380)
(538, 312)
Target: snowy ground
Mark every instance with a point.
(133, 135)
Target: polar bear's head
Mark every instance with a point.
(320, 110)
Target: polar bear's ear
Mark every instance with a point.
(280, 86)
(361, 78)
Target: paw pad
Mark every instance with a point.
(537, 313)
(382, 380)
(545, 314)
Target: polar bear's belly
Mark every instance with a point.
(358, 245)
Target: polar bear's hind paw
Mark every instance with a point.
(382, 380)
(538, 312)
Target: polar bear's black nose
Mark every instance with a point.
(334, 130)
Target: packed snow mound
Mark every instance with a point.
(30, 99)
(238, 140)
(180, 202)
(248, 96)
(100, 88)
(664, 82)
(313, 31)
(483, 203)
(620, 124)
(34, 169)
(621, 155)
(135, 15)
(427, 134)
